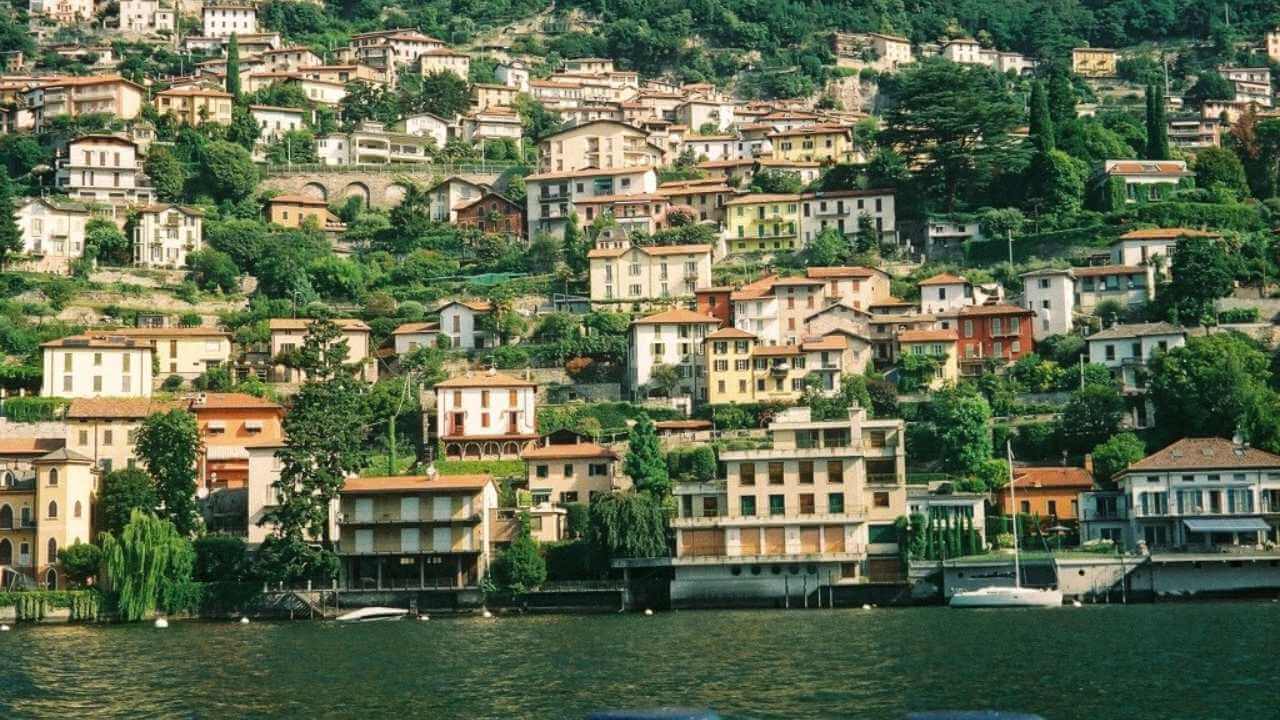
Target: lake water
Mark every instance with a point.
(1213, 660)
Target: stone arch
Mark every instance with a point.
(315, 191)
(6, 517)
(51, 579)
(472, 451)
(357, 189)
(6, 551)
(394, 194)
(492, 449)
(453, 451)
(510, 449)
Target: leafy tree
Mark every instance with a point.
(916, 372)
(1062, 99)
(954, 120)
(822, 406)
(768, 180)
(961, 419)
(244, 131)
(828, 247)
(228, 171)
(665, 379)
(1217, 166)
(1115, 454)
(628, 525)
(233, 66)
(104, 241)
(167, 173)
(124, 491)
(220, 558)
(243, 240)
(1056, 183)
(1214, 386)
(81, 562)
(444, 94)
(10, 235)
(1092, 415)
(145, 564)
(327, 427)
(520, 567)
(1210, 85)
(1202, 272)
(166, 445)
(213, 270)
(294, 146)
(644, 462)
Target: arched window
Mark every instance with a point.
(6, 552)
(6, 517)
(51, 579)
(53, 477)
(53, 551)
(53, 510)
(79, 510)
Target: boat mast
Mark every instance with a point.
(1013, 501)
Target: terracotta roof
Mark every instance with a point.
(753, 198)
(634, 198)
(1137, 330)
(473, 305)
(63, 455)
(297, 200)
(798, 281)
(568, 451)
(1205, 453)
(755, 289)
(944, 279)
(232, 400)
(171, 332)
(840, 272)
(589, 172)
(675, 316)
(304, 323)
(415, 328)
(105, 340)
(1001, 309)
(682, 425)
(838, 305)
(106, 407)
(832, 341)
(651, 250)
(811, 130)
(1096, 270)
(484, 380)
(1052, 477)
(776, 350)
(29, 446)
(910, 336)
(415, 483)
(731, 333)
(194, 92)
(1148, 167)
(1166, 234)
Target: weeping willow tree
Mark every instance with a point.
(628, 525)
(145, 564)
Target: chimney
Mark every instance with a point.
(1088, 463)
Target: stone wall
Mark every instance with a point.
(378, 188)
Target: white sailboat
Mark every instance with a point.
(1002, 596)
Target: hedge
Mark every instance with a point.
(496, 468)
(33, 409)
(36, 604)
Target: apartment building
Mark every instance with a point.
(103, 428)
(411, 336)
(294, 211)
(103, 169)
(815, 143)
(1051, 493)
(1133, 286)
(486, 415)
(370, 143)
(763, 222)
(488, 95)
(1152, 246)
(64, 12)
(565, 468)
(875, 50)
(289, 59)
(52, 233)
(231, 424)
(445, 60)
(96, 365)
(187, 352)
(446, 197)
(552, 196)
(416, 531)
(195, 106)
(146, 16)
(224, 19)
(740, 369)
(814, 509)
(945, 292)
(425, 125)
(603, 144)
(940, 345)
(704, 199)
(642, 275)
(1146, 180)
(493, 213)
(856, 286)
(672, 337)
(392, 49)
(44, 510)
(997, 332)
(1127, 350)
(493, 123)
(76, 96)
(845, 212)
(164, 234)
(288, 334)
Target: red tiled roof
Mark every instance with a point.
(1206, 453)
(944, 279)
(1166, 234)
(415, 483)
(1052, 477)
(674, 316)
(568, 451)
(484, 380)
(910, 336)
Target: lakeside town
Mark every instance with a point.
(298, 314)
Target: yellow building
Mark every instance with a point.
(1093, 62)
(187, 352)
(42, 512)
(813, 143)
(195, 106)
(763, 222)
(728, 354)
(938, 344)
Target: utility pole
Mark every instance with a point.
(1008, 232)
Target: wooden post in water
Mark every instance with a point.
(805, 590)
(786, 593)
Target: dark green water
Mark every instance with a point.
(1218, 660)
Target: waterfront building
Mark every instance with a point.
(565, 467)
(1050, 493)
(97, 365)
(43, 511)
(230, 424)
(486, 415)
(416, 531)
(103, 428)
(945, 505)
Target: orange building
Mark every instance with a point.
(1052, 493)
(292, 211)
(230, 424)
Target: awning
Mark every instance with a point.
(1227, 525)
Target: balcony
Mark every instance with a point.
(885, 478)
(851, 514)
(851, 553)
(390, 519)
(1088, 515)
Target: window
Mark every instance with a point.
(835, 503)
(806, 504)
(777, 504)
(880, 499)
(97, 383)
(747, 474)
(568, 470)
(484, 420)
(775, 473)
(53, 477)
(568, 498)
(747, 506)
(84, 438)
(835, 471)
(806, 472)
(1024, 507)
(1053, 508)
(484, 398)
(53, 510)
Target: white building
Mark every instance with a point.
(673, 337)
(965, 51)
(1126, 349)
(642, 274)
(164, 234)
(459, 326)
(289, 334)
(492, 123)
(945, 291)
(146, 16)
(843, 210)
(486, 415)
(514, 74)
(411, 336)
(52, 233)
(948, 235)
(97, 365)
(63, 12)
(444, 59)
(273, 122)
(551, 195)
(1152, 246)
(103, 169)
(425, 125)
(371, 144)
(222, 20)
(1050, 294)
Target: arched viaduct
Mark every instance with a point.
(377, 187)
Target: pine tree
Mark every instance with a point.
(1041, 121)
(233, 67)
(10, 235)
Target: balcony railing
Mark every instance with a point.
(885, 478)
(387, 519)
(850, 514)
(1173, 512)
(1108, 514)
(850, 553)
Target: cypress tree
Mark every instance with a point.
(644, 463)
(233, 67)
(1157, 127)
(1062, 100)
(10, 235)
(1041, 122)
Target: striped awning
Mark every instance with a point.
(1226, 525)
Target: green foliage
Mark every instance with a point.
(220, 558)
(1220, 167)
(644, 462)
(166, 445)
(146, 564)
(104, 241)
(80, 561)
(34, 605)
(574, 560)
(1092, 415)
(287, 558)
(496, 468)
(628, 525)
(916, 372)
(213, 270)
(1157, 125)
(577, 520)
(1202, 272)
(10, 235)
(693, 463)
(32, 409)
(852, 393)
(124, 491)
(1209, 86)
(768, 180)
(520, 567)
(233, 66)
(1115, 454)
(228, 171)
(960, 419)
(293, 146)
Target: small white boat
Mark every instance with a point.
(1004, 597)
(369, 614)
